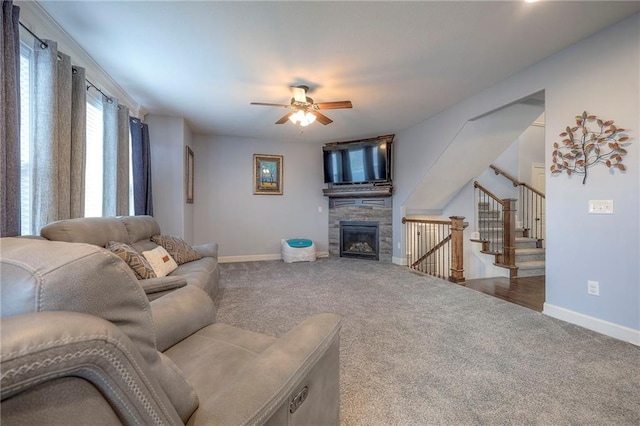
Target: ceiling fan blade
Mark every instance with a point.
(285, 118)
(273, 105)
(321, 117)
(334, 105)
(299, 94)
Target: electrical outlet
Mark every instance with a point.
(593, 288)
(600, 206)
(398, 246)
(319, 209)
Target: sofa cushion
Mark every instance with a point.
(203, 273)
(179, 249)
(137, 262)
(91, 230)
(140, 228)
(161, 261)
(232, 349)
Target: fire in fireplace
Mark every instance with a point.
(359, 239)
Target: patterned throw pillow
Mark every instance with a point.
(135, 260)
(177, 248)
(160, 261)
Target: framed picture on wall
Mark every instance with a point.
(189, 162)
(267, 174)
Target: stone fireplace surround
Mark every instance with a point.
(376, 209)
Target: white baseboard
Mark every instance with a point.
(601, 326)
(261, 257)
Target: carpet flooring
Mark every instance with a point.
(417, 350)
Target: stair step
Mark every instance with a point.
(490, 221)
(531, 269)
(529, 254)
(526, 242)
(484, 214)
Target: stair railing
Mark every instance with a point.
(496, 226)
(531, 206)
(435, 247)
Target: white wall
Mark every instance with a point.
(580, 246)
(248, 226)
(531, 150)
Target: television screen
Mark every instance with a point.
(360, 162)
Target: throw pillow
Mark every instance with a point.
(177, 248)
(161, 262)
(135, 260)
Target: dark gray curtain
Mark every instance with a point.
(141, 158)
(57, 158)
(10, 120)
(115, 193)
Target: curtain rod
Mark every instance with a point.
(44, 45)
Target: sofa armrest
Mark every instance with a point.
(181, 313)
(305, 357)
(156, 287)
(88, 360)
(208, 250)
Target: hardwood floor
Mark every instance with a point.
(526, 291)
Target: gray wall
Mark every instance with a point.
(249, 226)
(188, 220)
(580, 246)
(169, 136)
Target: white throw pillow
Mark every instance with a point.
(161, 262)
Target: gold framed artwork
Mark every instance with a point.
(267, 174)
(189, 163)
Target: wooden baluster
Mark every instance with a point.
(509, 236)
(457, 254)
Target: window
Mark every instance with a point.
(94, 155)
(25, 138)
(94, 147)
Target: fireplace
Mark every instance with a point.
(359, 239)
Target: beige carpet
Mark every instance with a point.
(417, 350)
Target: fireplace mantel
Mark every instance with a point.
(358, 191)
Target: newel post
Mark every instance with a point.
(509, 235)
(457, 254)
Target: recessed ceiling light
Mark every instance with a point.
(530, 1)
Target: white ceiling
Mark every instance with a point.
(398, 62)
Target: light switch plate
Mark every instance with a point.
(600, 206)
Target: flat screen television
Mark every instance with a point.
(366, 161)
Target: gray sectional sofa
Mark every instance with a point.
(137, 232)
(81, 343)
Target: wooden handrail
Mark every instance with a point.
(532, 189)
(515, 181)
(435, 222)
(486, 191)
(499, 171)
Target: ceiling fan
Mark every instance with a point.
(304, 110)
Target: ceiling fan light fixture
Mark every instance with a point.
(293, 118)
(303, 118)
(310, 117)
(304, 110)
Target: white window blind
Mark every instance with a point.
(95, 154)
(25, 139)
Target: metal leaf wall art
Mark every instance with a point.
(591, 141)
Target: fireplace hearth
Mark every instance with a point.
(359, 239)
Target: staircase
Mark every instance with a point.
(529, 255)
